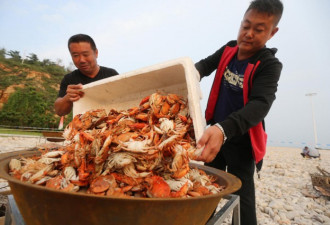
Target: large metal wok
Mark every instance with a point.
(41, 205)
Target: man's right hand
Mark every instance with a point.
(74, 92)
(63, 106)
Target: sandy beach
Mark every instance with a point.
(284, 191)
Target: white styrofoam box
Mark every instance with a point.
(126, 90)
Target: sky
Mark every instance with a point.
(132, 34)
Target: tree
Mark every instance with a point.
(33, 58)
(47, 62)
(14, 55)
(2, 53)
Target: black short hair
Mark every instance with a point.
(82, 38)
(272, 7)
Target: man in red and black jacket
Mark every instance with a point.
(242, 93)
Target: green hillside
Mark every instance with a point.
(28, 89)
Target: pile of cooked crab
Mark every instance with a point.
(143, 151)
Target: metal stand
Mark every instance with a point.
(231, 206)
(13, 215)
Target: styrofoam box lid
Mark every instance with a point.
(126, 90)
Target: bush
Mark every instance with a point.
(31, 106)
(27, 107)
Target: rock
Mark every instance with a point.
(282, 216)
(262, 204)
(326, 219)
(291, 215)
(277, 165)
(277, 218)
(302, 221)
(319, 211)
(270, 212)
(327, 213)
(275, 204)
(281, 172)
(288, 207)
(318, 218)
(283, 222)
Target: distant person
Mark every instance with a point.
(310, 152)
(304, 152)
(84, 54)
(243, 90)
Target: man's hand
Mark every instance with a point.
(74, 92)
(212, 140)
(63, 106)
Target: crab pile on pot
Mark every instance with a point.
(142, 152)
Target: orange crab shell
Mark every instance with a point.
(144, 100)
(165, 108)
(175, 109)
(102, 183)
(172, 98)
(137, 125)
(55, 182)
(158, 187)
(142, 116)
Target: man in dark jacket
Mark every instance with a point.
(242, 93)
(84, 54)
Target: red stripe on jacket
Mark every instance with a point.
(257, 134)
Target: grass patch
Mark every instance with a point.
(20, 132)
